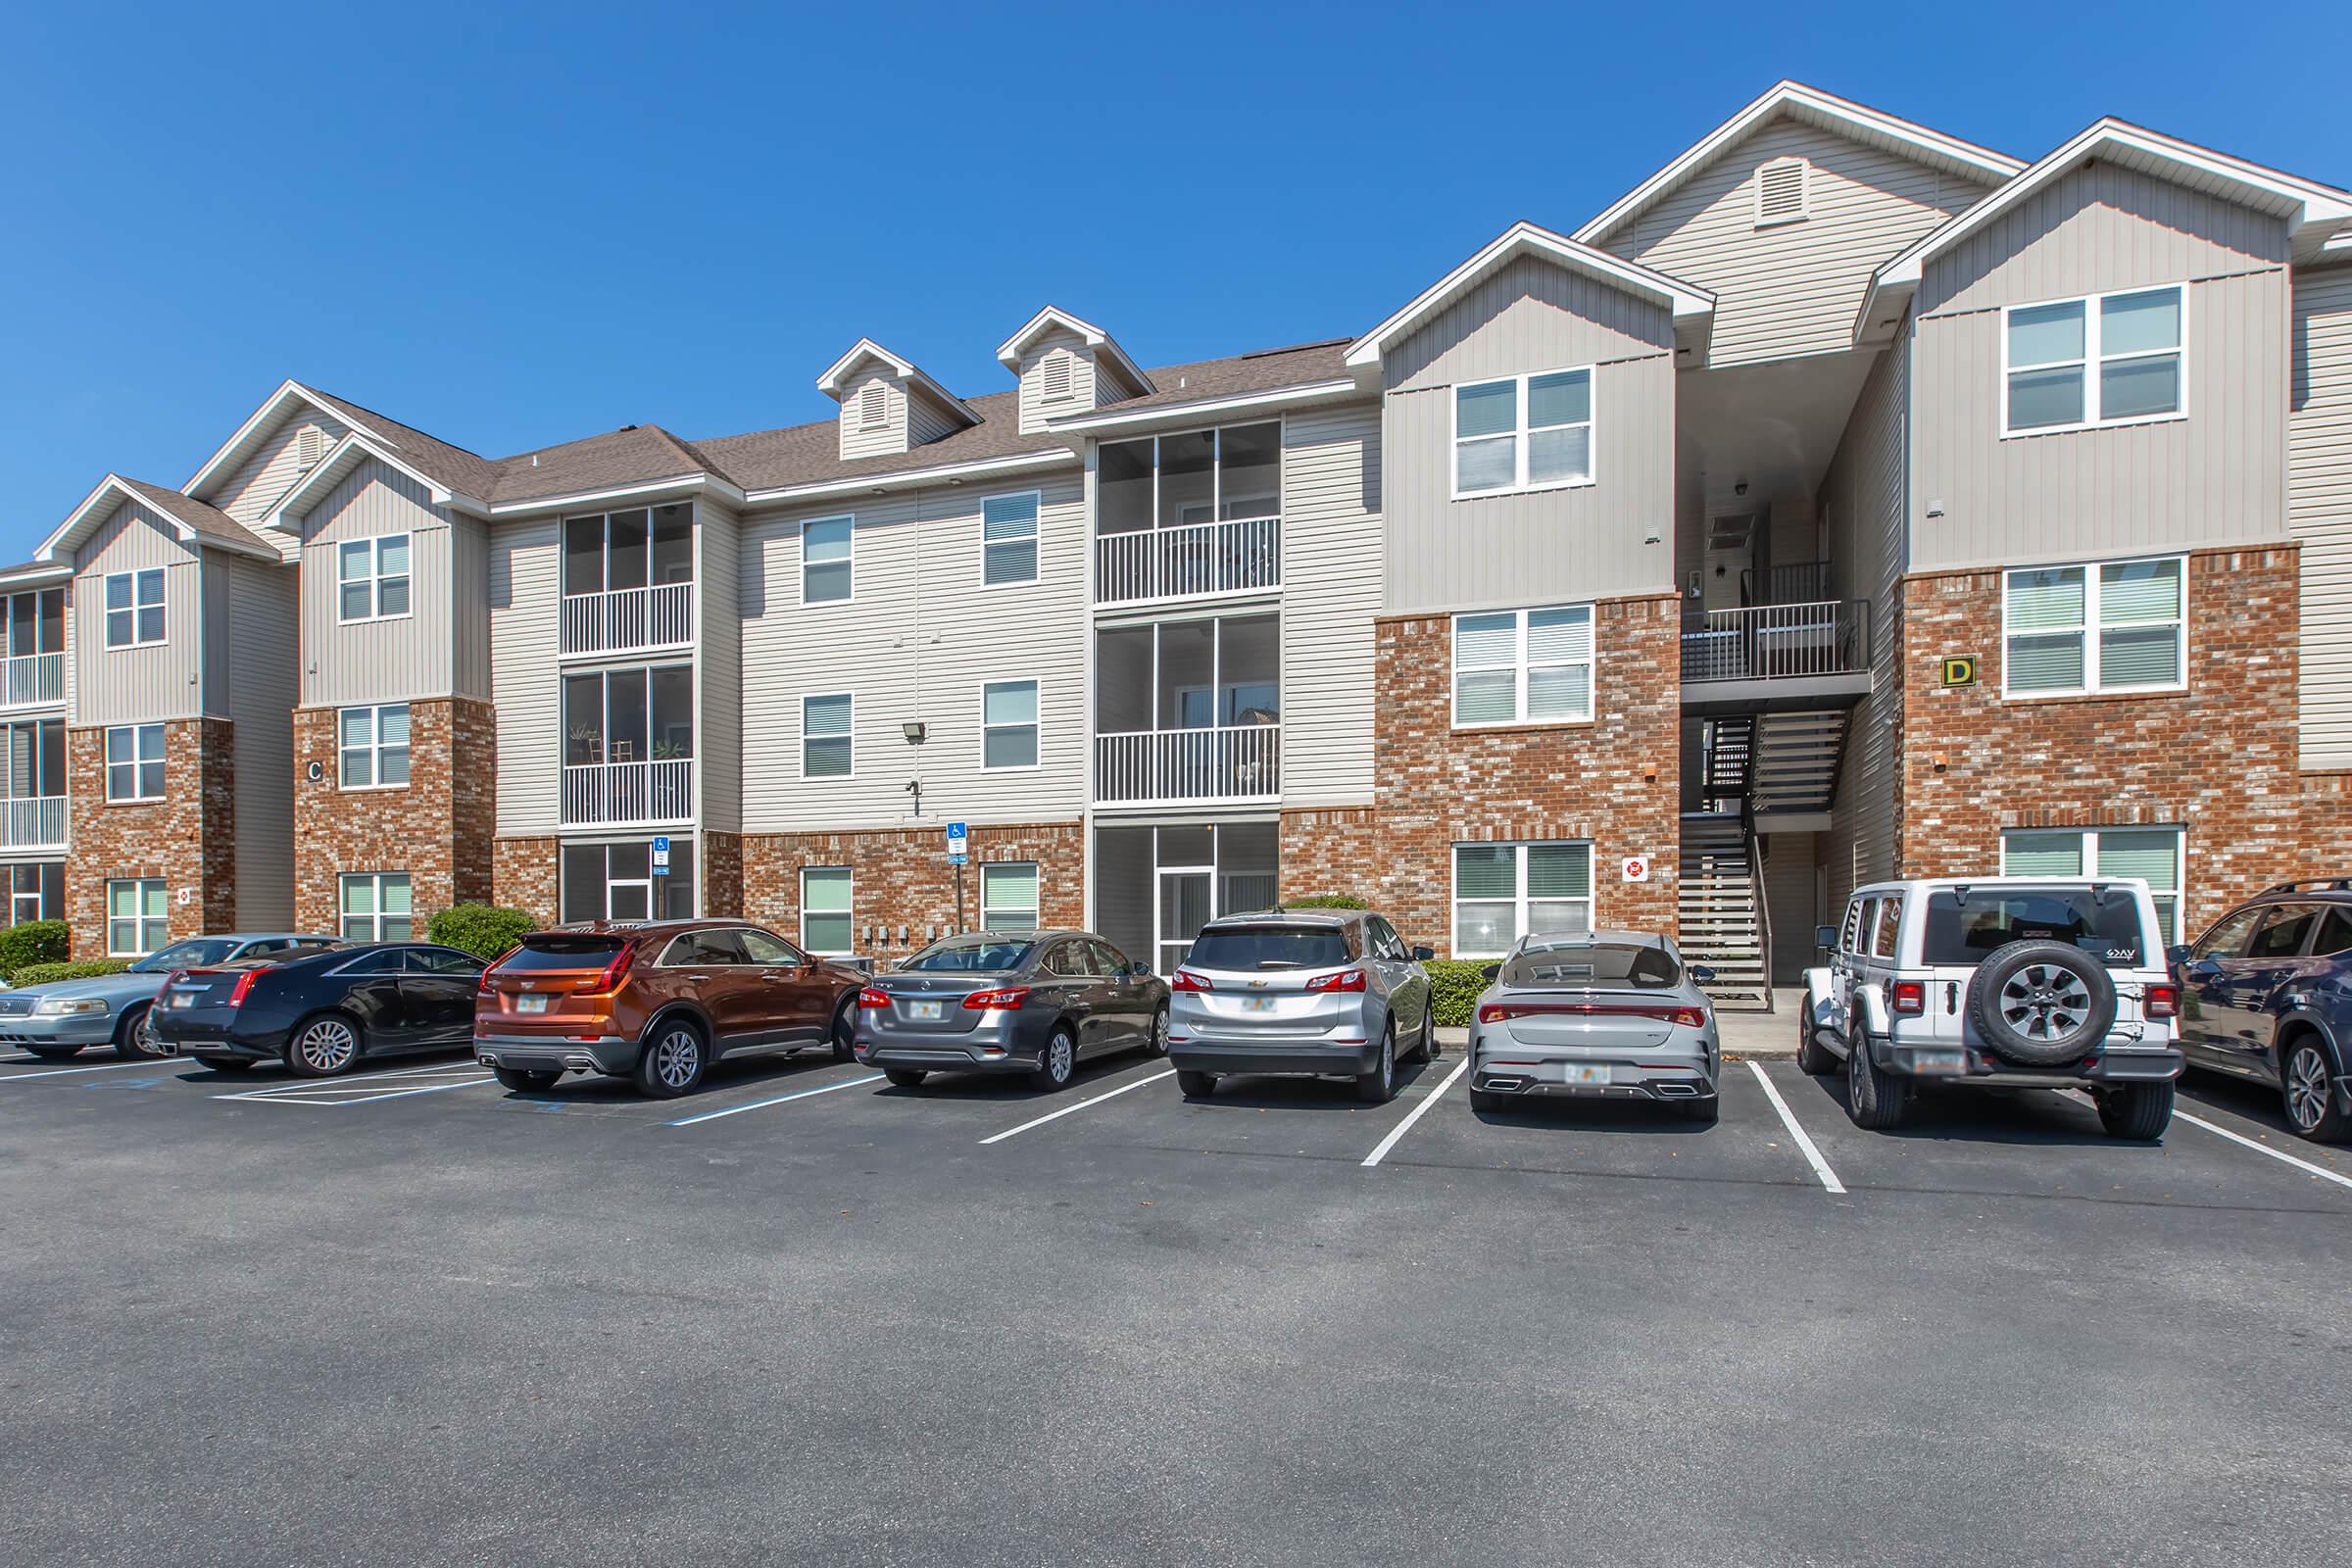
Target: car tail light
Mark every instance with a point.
(483, 987)
(609, 977)
(1344, 980)
(1186, 980)
(2162, 1002)
(1908, 997)
(1505, 1012)
(1005, 997)
(237, 992)
(868, 997)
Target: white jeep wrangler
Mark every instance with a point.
(2022, 982)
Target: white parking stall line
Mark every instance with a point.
(1067, 1111)
(2259, 1148)
(1804, 1140)
(109, 1066)
(1381, 1152)
(776, 1099)
(368, 1088)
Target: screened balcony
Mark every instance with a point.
(629, 581)
(1188, 711)
(32, 661)
(1184, 516)
(32, 810)
(628, 747)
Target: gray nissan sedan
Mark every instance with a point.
(1610, 1015)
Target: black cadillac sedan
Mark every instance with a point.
(321, 1011)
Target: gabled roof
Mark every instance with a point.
(835, 380)
(1814, 106)
(1053, 317)
(1685, 301)
(635, 456)
(436, 461)
(192, 521)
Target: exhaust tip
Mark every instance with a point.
(1677, 1091)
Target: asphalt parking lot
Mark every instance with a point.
(805, 1316)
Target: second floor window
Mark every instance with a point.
(1008, 723)
(1526, 433)
(2075, 630)
(374, 746)
(825, 743)
(1523, 666)
(2111, 358)
(134, 608)
(135, 763)
(825, 923)
(618, 716)
(826, 548)
(372, 578)
(37, 622)
(35, 755)
(1009, 539)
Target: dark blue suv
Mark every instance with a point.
(2267, 995)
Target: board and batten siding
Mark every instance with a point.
(918, 641)
(395, 658)
(135, 685)
(469, 605)
(524, 563)
(262, 481)
(719, 714)
(252, 680)
(2320, 508)
(1331, 566)
(1790, 288)
(1571, 542)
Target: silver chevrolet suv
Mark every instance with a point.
(2020, 982)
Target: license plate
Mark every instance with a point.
(180, 998)
(926, 1011)
(1939, 1062)
(1257, 1004)
(1579, 1072)
(530, 1004)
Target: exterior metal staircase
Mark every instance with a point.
(1720, 906)
(1793, 759)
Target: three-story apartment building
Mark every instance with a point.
(1845, 500)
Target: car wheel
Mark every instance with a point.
(54, 1053)
(2138, 1111)
(1196, 1085)
(323, 1046)
(527, 1080)
(226, 1064)
(844, 1028)
(135, 1036)
(2308, 1091)
(1379, 1086)
(2041, 1003)
(1059, 1063)
(1429, 1036)
(1155, 1044)
(905, 1077)
(1873, 1096)
(1813, 1059)
(672, 1061)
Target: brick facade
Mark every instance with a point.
(189, 838)
(901, 877)
(722, 875)
(522, 876)
(437, 828)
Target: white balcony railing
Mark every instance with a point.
(1197, 558)
(33, 678)
(1231, 763)
(625, 620)
(611, 793)
(33, 823)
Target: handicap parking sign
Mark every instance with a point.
(957, 841)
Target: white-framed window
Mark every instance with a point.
(1780, 192)
(826, 744)
(827, 568)
(135, 763)
(372, 578)
(134, 608)
(826, 927)
(1525, 432)
(1008, 724)
(1008, 896)
(2115, 626)
(374, 746)
(1523, 666)
(2106, 359)
(1503, 892)
(1009, 538)
(136, 922)
(377, 906)
(2159, 855)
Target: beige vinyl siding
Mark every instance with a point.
(263, 479)
(718, 714)
(890, 436)
(251, 679)
(1790, 885)
(2320, 508)
(524, 562)
(917, 642)
(135, 685)
(469, 605)
(1791, 288)
(1331, 562)
(1055, 345)
(387, 661)
(928, 422)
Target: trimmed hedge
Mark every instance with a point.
(488, 931)
(1454, 985)
(1326, 901)
(36, 974)
(36, 942)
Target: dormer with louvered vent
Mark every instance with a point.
(888, 404)
(1780, 192)
(1068, 366)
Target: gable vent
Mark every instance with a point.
(310, 444)
(1054, 376)
(873, 406)
(1781, 191)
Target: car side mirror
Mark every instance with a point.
(1424, 954)
(1700, 975)
(1824, 936)
(2177, 955)
(1491, 971)
(1139, 968)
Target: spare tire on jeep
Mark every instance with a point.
(2040, 1004)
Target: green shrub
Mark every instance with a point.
(1326, 901)
(36, 974)
(33, 942)
(1454, 985)
(488, 931)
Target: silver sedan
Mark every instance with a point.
(1608, 1014)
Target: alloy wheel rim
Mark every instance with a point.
(2047, 1003)
(1159, 1030)
(675, 1058)
(1059, 1057)
(1387, 1058)
(326, 1046)
(2306, 1087)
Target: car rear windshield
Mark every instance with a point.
(975, 957)
(194, 953)
(1641, 965)
(1244, 948)
(564, 953)
(1965, 928)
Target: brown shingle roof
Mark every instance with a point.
(207, 520)
(467, 473)
(637, 453)
(1265, 370)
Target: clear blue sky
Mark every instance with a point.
(517, 228)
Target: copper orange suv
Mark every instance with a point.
(657, 1002)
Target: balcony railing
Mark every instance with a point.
(611, 793)
(1188, 562)
(32, 678)
(1777, 642)
(33, 823)
(627, 620)
(1231, 763)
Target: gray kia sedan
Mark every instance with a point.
(65, 1016)
(1611, 1015)
(1034, 1002)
